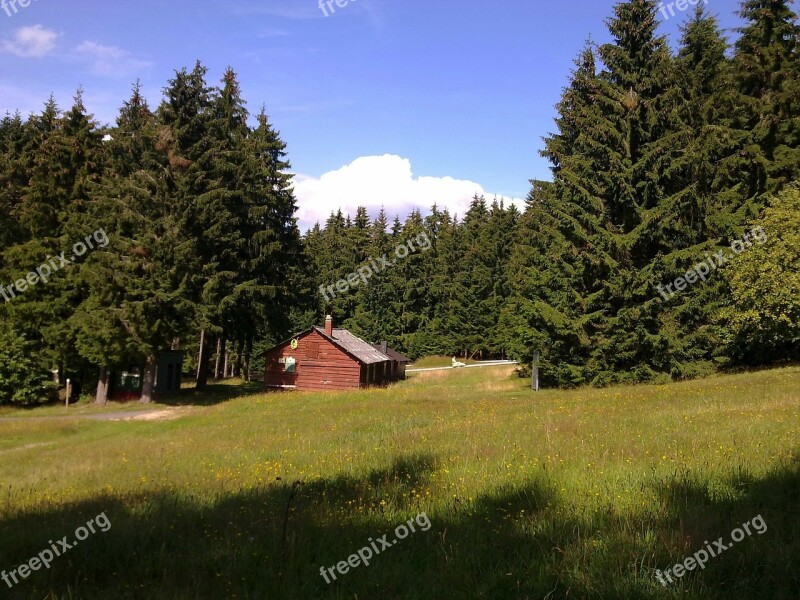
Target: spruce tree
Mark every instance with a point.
(767, 71)
(406, 275)
(639, 99)
(557, 266)
(192, 132)
(14, 138)
(375, 318)
(704, 160)
(140, 288)
(274, 288)
(64, 160)
(440, 334)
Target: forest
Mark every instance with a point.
(660, 158)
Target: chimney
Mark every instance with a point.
(384, 347)
(329, 326)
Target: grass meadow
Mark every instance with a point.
(557, 494)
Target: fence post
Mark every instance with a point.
(535, 373)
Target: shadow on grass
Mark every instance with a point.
(214, 393)
(512, 543)
(761, 565)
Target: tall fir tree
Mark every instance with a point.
(64, 160)
(274, 287)
(558, 265)
(375, 318)
(140, 291)
(767, 71)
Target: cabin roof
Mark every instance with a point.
(355, 346)
(391, 352)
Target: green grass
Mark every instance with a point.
(576, 494)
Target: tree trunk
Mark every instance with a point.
(202, 362)
(101, 396)
(247, 353)
(200, 352)
(149, 380)
(227, 360)
(237, 367)
(219, 373)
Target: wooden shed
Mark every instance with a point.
(326, 359)
(125, 383)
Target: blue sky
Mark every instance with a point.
(387, 102)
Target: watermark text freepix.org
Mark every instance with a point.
(364, 555)
(681, 5)
(703, 270)
(46, 557)
(363, 274)
(9, 5)
(329, 4)
(701, 557)
(98, 239)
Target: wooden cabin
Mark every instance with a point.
(327, 359)
(125, 383)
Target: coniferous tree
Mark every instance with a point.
(336, 262)
(139, 300)
(63, 161)
(14, 138)
(375, 319)
(704, 161)
(186, 117)
(656, 161)
(767, 71)
(475, 279)
(558, 266)
(274, 287)
(443, 328)
(407, 278)
(639, 99)
(312, 250)
(501, 233)
(427, 340)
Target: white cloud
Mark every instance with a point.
(110, 60)
(388, 181)
(31, 42)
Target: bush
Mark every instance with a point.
(763, 319)
(22, 381)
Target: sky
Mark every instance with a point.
(395, 103)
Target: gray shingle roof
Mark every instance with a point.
(391, 353)
(355, 346)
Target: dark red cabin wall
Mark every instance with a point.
(331, 369)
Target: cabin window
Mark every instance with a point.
(130, 377)
(290, 366)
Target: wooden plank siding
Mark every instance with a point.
(320, 366)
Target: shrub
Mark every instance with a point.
(22, 380)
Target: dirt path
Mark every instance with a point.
(162, 414)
